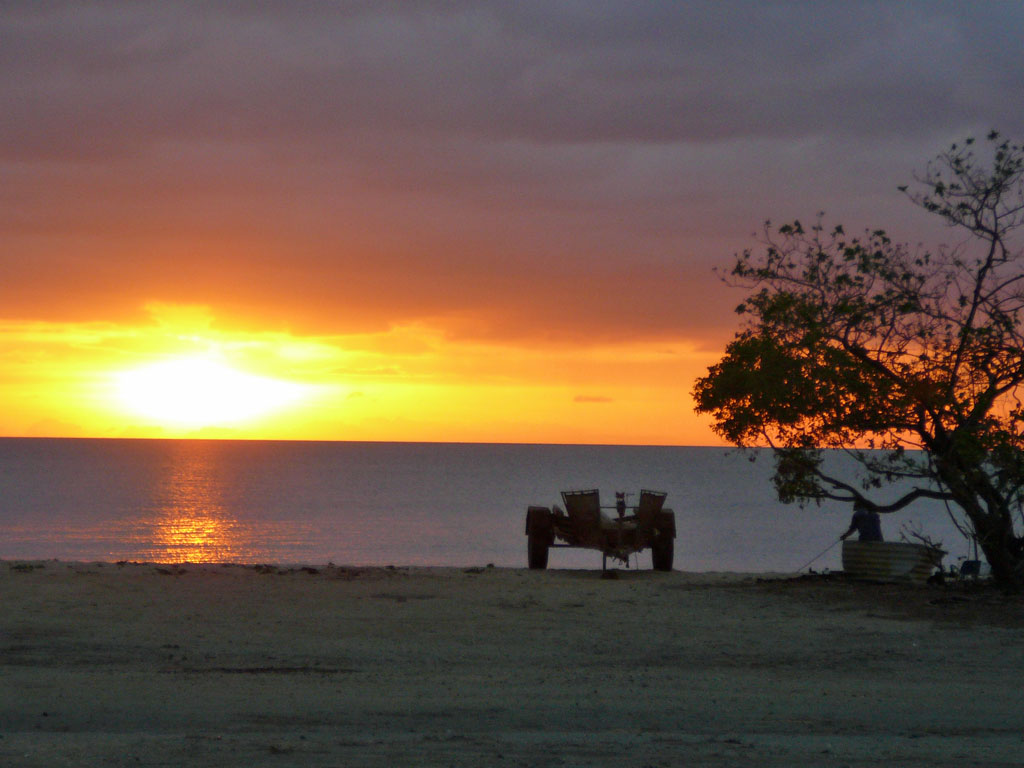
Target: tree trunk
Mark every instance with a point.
(1002, 548)
(991, 518)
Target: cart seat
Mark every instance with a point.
(584, 509)
(650, 505)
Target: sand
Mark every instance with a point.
(208, 665)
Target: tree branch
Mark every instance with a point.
(859, 499)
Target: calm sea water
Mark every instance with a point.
(393, 503)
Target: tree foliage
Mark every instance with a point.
(911, 360)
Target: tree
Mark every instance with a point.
(909, 360)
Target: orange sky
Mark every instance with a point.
(162, 378)
(481, 222)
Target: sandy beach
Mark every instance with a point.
(211, 665)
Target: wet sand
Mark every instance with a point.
(208, 665)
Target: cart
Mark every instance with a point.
(585, 523)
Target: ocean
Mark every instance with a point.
(397, 504)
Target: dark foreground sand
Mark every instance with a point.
(241, 666)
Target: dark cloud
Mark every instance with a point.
(663, 72)
(505, 163)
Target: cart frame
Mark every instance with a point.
(585, 524)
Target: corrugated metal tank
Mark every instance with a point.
(890, 560)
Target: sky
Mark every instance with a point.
(442, 221)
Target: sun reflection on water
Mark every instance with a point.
(190, 521)
(194, 536)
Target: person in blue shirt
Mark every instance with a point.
(865, 522)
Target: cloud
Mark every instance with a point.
(117, 74)
(559, 172)
(591, 399)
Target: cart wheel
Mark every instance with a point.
(661, 553)
(537, 550)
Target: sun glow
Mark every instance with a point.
(180, 375)
(200, 392)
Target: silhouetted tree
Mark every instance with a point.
(910, 360)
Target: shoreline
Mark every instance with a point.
(28, 564)
(224, 665)
(56, 561)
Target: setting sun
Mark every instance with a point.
(187, 372)
(198, 392)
